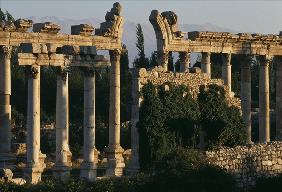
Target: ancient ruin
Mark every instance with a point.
(45, 46)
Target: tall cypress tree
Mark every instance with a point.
(141, 61)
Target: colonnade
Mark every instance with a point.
(35, 159)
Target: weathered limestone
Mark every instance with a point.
(114, 150)
(206, 63)
(35, 160)
(89, 166)
(184, 59)
(264, 116)
(246, 99)
(279, 99)
(162, 59)
(63, 154)
(226, 70)
(5, 109)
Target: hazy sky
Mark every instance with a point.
(246, 16)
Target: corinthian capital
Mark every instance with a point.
(7, 50)
(62, 72)
(184, 57)
(88, 71)
(32, 71)
(264, 60)
(115, 54)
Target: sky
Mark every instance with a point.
(244, 16)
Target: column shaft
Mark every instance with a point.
(279, 99)
(206, 63)
(184, 59)
(35, 165)
(162, 59)
(5, 108)
(264, 116)
(88, 170)
(246, 96)
(115, 159)
(63, 154)
(226, 70)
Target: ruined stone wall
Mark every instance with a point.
(193, 80)
(246, 163)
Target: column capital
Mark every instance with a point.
(184, 57)
(162, 58)
(88, 71)
(226, 58)
(206, 56)
(246, 61)
(62, 72)
(264, 60)
(32, 71)
(115, 54)
(7, 50)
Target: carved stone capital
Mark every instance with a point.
(162, 57)
(7, 50)
(264, 60)
(184, 57)
(246, 61)
(206, 57)
(226, 59)
(88, 71)
(62, 72)
(32, 71)
(115, 55)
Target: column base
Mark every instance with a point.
(61, 172)
(115, 161)
(33, 173)
(88, 171)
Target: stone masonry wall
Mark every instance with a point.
(193, 80)
(246, 163)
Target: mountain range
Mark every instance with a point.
(129, 34)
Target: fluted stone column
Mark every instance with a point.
(6, 157)
(246, 99)
(206, 63)
(162, 59)
(226, 70)
(184, 59)
(35, 160)
(63, 154)
(279, 98)
(264, 116)
(114, 150)
(89, 167)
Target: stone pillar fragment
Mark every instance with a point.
(246, 99)
(88, 168)
(114, 150)
(35, 160)
(264, 116)
(63, 154)
(206, 63)
(162, 59)
(6, 157)
(184, 59)
(226, 70)
(279, 98)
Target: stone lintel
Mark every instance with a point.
(33, 48)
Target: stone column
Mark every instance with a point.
(246, 99)
(114, 150)
(88, 168)
(6, 157)
(35, 160)
(184, 59)
(63, 154)
(134, 165)
(264, 116)
(279, 98)
(206, 63)
(226, 70)
(162, 59)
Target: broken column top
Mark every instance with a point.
(22, 25)
(46, 27)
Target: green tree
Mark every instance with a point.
(153, 60)
(141, 61)
(2, 15)
(9, 17)
(170, 62)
